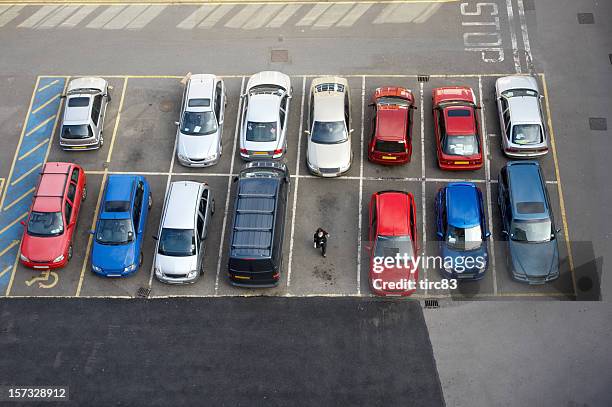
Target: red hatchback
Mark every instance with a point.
(49, 229)
(457, 129)
(394, 249)
(391, 142)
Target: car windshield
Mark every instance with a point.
(198, 123)
(392, 100)
(115, 231)
(464, 238)
(79, 131)
(45, 224)
(177, 242)
(527, 134)
(329, 132)
(390, 246)
(531, 231)
(261, 131)
(460, 145)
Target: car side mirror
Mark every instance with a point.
(23, 223)
(130, 235)
(440, 235)
(371, 104)
(478, 107)
(307, 132)
(413, 107)
(92, 232)
(63, 97)
(235, 179)
(176, 123)
(155, 237)
(487, 235)
(351, 130)
(541, 96)
(505, 233)
(558, 231)
(221, 121)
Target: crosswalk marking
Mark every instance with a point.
(262, 16)
(125, 17)
(243, 15)
(146, 17)
(35, 18)
(215, 16)
(285, 14)
(400, 13)
(107, 15)
(58, 16)
(79, 16)
(336, 12)
(194, 18)
(313, 14)
(8, 14)
(354, 15)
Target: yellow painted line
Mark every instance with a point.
(21, 138)
(9, 247)
(28, 192)
(214, 2)
(559, 186)
(47, 86)
(21, 178)
(2, 180)
(6, 270)
(10, 225)
(44, 122)
(47, 103)
(39, 145)
(117, 119)
(90, 239)
(10, 284)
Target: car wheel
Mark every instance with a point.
(150, 201)
(84, 197)
(212, 207)
(69, 252)
(109, 97)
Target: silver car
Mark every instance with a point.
(181, 241)
(520, 117)
(200, 129)
(264, 116)
(83, 121)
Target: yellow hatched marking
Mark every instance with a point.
(9, 247)
(10, 225)
(28, 192)
(21, 178)
(47, 103)
(34, 149)
(47, 86)
(44, 122)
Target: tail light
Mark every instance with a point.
(243, 151)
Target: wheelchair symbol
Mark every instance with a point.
(43, 279)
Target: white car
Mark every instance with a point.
(181, 241)
(329, 131)
(200, 129)
(264, 116)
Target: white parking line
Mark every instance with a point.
(243, 16)
(124, 18)
(216, 16)
(423, 198)
(359, 221)
(355, 14)
(196, 17)
(297, 178)
(262, 16)
(229, 188)
(58, 16)
(79, 16)
(517, 59)
(146, 17)
(488, 185)
(107, 15)
(37, 17)
(284, 15)
(313, 14)
(8, 14)
(334, 14)
(524, 31)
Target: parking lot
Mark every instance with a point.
(140, 138)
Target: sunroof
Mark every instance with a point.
(78, 102)
(530, 207)
(117, 206)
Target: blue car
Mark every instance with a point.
(120, 227)
(462, 230)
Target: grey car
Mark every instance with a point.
(521, 120)
(84, 114)
(200, 129)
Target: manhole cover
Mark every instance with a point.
(165, 106)
(598, 123)
(279, 55)
(423, 78)
(586, 18)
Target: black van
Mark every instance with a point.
(256, 241)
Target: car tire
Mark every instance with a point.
(109, 97)
(150, 204)
(84, 197)
(69, 252)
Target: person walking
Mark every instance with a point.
(320, 241)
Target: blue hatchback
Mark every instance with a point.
(462, 230)
(120, 227)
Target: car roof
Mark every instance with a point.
(328, 106)
(393, 214)
(119, 187)
(526, 187)
(524, 109)
(201, 86)
(391, 123)
(52, 184)
(462, 205)
(263, 108)
(181, 205)
(456, 125)
(77, 114)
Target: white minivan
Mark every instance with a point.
(181, 241)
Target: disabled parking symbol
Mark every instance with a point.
(43, 279)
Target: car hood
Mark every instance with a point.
(329, 155)
(113, 257)
(534, 259)
(175, 265)
(516, 82)
(269, 78)
(197, 147)
(446, 251)
(42, 249)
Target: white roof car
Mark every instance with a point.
(200, 129)
(329, 152)
(181, 240)
(264, 116)
(83, 120)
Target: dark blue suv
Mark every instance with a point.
(528, 223)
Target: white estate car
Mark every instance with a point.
(200, 129)
(83, 121)
(329, 131)
(264, 116)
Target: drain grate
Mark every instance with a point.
(279, 55)
(143, 292)
(598, 123)
(431, 303)
(529, 5)
(423, 78)
(586, 18)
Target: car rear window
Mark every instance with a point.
(390, 146)
(459, 113)
(76, 132)
(117, 206)
(530, 207)
(198, 103)
(261, 131)
(78, 102)
(251, 265)
(461, 145)
(527, 134)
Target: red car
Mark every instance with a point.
(394, 249)
(457, 129)
(49, 229)
(391, 142)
